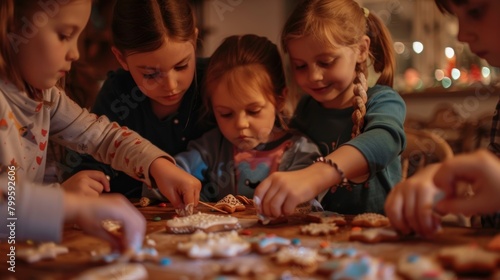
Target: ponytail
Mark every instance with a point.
(381, 50)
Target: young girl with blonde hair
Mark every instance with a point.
(330, 44)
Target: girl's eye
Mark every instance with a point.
(476, 13)
(300, 67)
(325, 63)
(152, 75)
(181, 67)
(254, 112)
(225, 115)
(64, 37)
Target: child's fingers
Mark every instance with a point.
(465, 206)
(463, 167)
(267, 201)
(261, 191)
(394, 211)
(276, 203)
(99, 177)
(409, 209)
(424, 211)
(188, 197)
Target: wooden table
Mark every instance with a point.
(81, 247)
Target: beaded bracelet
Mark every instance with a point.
(343, 179)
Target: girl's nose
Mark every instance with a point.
(241, 121)
(73, 53)
(169, 83)
(315, 74)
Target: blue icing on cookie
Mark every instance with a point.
(355, 270)
(412, 258)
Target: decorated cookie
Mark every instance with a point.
(113, 227)
(115, 271)
(362, 268)
(141, 255)
(370, 220)
(468, 259)
(265, 244)
(302, 256)
(341, 252)
(245, 200)
(373, 235)
(319, 229)
(48, 250)
(244, 268)
(144, 201)
(186, 211)
(416, 267)
(326, 217)
(218, 245)
(230, 204)
(202, 221)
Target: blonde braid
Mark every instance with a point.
(359, 101)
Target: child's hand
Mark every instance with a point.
(482, 170)
(409, 205)
(89, 212)
(281, 192)
(87, 182)
(178, 186)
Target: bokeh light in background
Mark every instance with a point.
(418, 47)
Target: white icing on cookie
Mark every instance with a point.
(203, 245)
(416, 267)
(319, 228)
(298, 255)
(201, 221)
(374, 235)
(370, 219)
(48, 250)
(123, 271)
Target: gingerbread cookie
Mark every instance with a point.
(341, 252)
(144, 201)
(468, 259)
(186, 211)
(364, 267)
(230, 204)
(319, 229)
(115, 271)
(113, 227)
(218, 245)
(373, 235)
(416, 267)
(245, 200)
(201, 221)
(370, 220)
(48, 250)
(326, 217)
(244, 268)
(302, 256)
(268, 244)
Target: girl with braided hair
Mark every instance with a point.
(331, 44)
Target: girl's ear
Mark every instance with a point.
(364, 49)
(120, 57)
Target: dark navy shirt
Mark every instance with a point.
(121, 100)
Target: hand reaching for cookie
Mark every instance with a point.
(90, 212)
(178, 186)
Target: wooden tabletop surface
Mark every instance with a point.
(81, 247)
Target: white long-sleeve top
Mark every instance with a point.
(25, 128)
